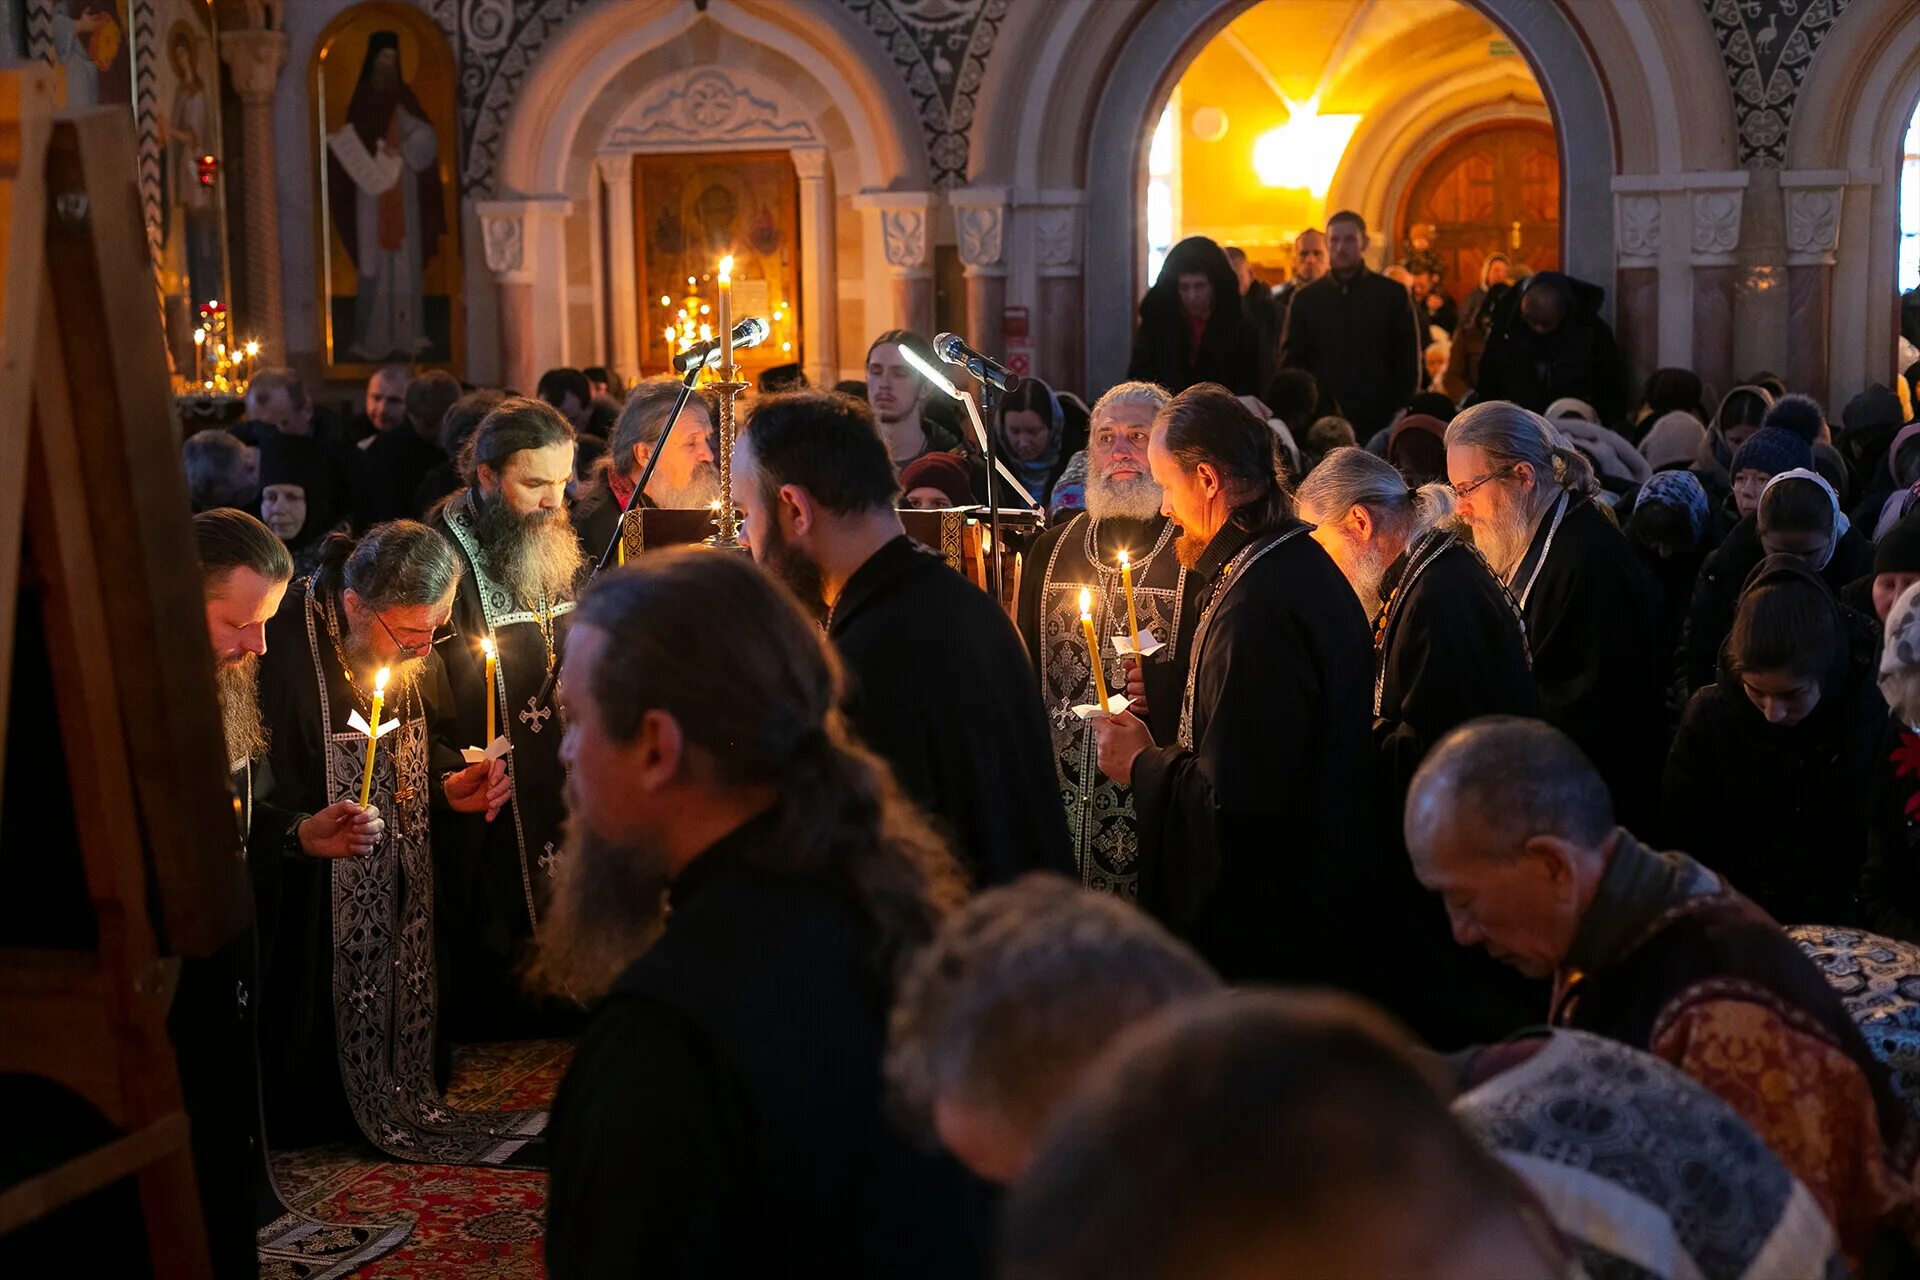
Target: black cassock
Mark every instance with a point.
(1449, 645)
(495, 877)
(1084, 553)
(350, 994)
(1596, 622)
(941, 689)
(1257, 827)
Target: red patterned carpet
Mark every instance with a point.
(467, 1222)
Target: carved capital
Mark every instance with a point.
(979, 223)
(1639, 231)
(905, 219)
(616, 171)
(255, 58)
(809, 163)
(505, 238)
(1813, 225)
(1716, 226)
(1056, 239)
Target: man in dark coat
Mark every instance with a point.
(1309, 264)
(1555, 345)
(1449, 644)
(1594, 612)
(401, 458)
(1193, 327)
(1257, 821)
(741, 882)
(1354, 331)
(939, 684)
(684, 478)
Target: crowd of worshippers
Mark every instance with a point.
(1314, 919)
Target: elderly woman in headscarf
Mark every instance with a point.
(1033, 429)
(1192, 326)
(1890, 880)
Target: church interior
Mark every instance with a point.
(306, 259)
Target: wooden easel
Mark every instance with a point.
(93, 497)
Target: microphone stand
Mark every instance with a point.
(990, 405)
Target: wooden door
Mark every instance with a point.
(1497, 188)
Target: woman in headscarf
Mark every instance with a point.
(1668, 527)
(1031, 433)
(1903, 478)
(1767, 781)
(1192, 326)
(1741, 412)
(1799, 515)
(296, 496)
(1673, 441)
(1417, 448)
(1493, 272)
(1890, 880)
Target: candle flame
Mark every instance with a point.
(253, 348)
(199, 336)
(1124, 562)
(1086, 603)
(380, 681)
(486, 646)
(726, 269)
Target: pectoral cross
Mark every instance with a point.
(535, 714)
(549, 858)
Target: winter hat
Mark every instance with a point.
(1770, 451)
(1898, 551)
(1678, 489)
(1571, 407)
(1673, 440)
(1877, 406)
(1801, 415)
(942, 471)
(1674, 391)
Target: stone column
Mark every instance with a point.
(905, 223)
(623, 293)
(979, 223)
(1637, 297)
(1813, 206)
(1061, 345)
(1716, 243)
(819, 315)
(523, 248)
(254, 58)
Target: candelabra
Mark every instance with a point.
(726, 536)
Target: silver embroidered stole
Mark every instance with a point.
(539, 807)
(384, 1002)
(1230, 576)
(1106, 841)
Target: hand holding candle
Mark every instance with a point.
(1126, 584)
(373, 734)
(493, 660)
(1093, 649)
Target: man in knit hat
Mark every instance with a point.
(1766, 453)
(936, 481)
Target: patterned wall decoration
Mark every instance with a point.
(940, 49)
(1767, 46)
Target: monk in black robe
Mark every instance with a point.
(939, 683)
(1122, 517)
(519, 562)
(1595, 615)
(1257, 821)
(741, 882)
(1449, 644)
(350, 1002)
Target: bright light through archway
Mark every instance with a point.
(1305, 151)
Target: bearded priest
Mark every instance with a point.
(519, 563)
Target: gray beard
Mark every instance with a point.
(1504, 542)
(239, 689)
(1125, 499)
(608, 905)
(1371, 570)
(537, 557)
(360, 653)
(701, 490)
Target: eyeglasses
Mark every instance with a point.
(417, 649)
(1471, 485)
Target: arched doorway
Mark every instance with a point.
(1495, 189)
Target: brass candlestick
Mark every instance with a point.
(726, 536)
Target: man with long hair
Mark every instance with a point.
(741, 884)
(519, 560)
(1257, 820)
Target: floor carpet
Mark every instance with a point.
(467, 1222)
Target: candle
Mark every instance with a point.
(199, 352)
(620, 547)
(1093, 649)
(1126, 584)
(493, 659)
(726, 317)
(373, 734)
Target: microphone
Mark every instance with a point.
(750, 332)
(952, 348)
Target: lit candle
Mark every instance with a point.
(1126, 584)
(199, 353)
(373, 733)
(493, 660)
(1093, 649)
(726, 317)
(253, 359)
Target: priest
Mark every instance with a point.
(1594, 612)
(1122, 517)
(349, 1009)
(1257, 819)
(685, 476)
(939, 685)
(1448, 645)
(519, 562)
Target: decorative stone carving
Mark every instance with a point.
(1055, 237)
(707, 107)
(486, 26)
(979, 231)
(505, 238)
(1767, 47)
(940, 49)
(905, 232)
(1813, 221)
(490, 82)
(254, 58)
(1716, 222)
(1640, 227)
(809, 163)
